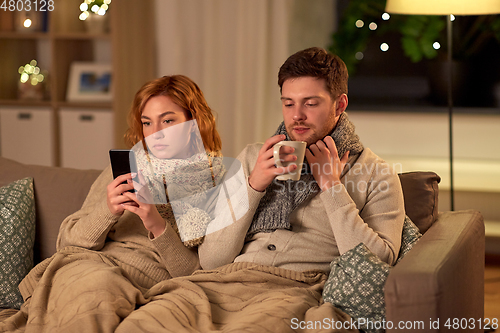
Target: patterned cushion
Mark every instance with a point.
(356, 285)
(411, 235)
(357, 278)
(17, 236)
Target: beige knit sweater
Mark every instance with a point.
(125, 240)
(367, 207)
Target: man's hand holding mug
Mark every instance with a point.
(270, 165)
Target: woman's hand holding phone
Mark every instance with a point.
(141, 203)
(115, 193)
(128, 191)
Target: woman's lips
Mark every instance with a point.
(160, 147)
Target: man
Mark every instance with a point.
(269, 265)
(346, 194)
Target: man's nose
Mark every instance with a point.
(299, 114)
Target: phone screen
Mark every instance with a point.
(122, 162)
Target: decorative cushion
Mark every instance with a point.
(420, 191)
(411, 235)
(357, 278)
(59, 192)
(17, 236)
(356, 286)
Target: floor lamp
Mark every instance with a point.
(448, 8)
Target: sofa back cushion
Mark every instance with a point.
(59, 192)
(420, 191)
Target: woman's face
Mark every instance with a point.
(166, 128)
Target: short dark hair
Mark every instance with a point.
(316, 62)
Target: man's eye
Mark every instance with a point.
(288, 105)
(311, 104)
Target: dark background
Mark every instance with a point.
(390, 79)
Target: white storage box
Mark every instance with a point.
(86, 137)
(27, 135)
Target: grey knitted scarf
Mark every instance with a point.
(282, 197)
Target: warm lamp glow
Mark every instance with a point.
(443, 7)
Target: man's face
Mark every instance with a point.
(309, 112)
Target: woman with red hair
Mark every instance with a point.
(120, 243)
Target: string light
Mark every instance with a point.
(31, 72)
(98, 7)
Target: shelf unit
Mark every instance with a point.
(128, 45)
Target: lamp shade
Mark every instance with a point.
(443, 7)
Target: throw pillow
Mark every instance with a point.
(356, 286)
(411, 235)
(421, 192)
(17, 237)
(357, 279)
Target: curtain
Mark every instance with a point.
(233, 50)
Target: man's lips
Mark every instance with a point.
(300, 130)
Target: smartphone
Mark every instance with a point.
(123, 162)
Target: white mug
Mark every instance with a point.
(300, 150)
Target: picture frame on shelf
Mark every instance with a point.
(90, 82)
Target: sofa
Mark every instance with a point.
(437, 284)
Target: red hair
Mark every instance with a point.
(185, 93)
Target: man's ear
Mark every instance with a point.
(341, 105)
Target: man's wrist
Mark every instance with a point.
(250, 184)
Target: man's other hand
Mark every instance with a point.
(325, 164)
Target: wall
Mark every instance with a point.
(418, 141)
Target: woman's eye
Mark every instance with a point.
(168, 121)
(146, 123)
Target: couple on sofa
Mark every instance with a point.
(143, 261)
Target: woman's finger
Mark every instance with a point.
(131, 199)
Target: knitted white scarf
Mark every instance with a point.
(181, 190)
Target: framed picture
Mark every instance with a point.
(90, 82)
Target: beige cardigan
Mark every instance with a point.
(367, 207)
(124, 238)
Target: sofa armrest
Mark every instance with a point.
(442, 277)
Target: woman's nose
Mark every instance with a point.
(158, 134)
